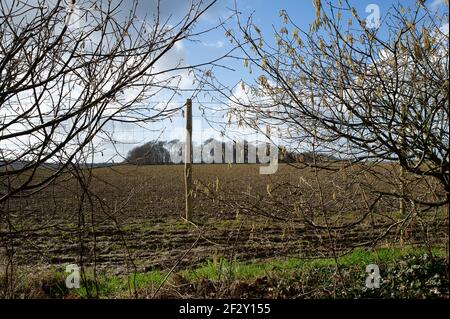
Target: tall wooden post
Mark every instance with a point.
(402, 192)
(188, 159)
(403, 153)
(267, 149)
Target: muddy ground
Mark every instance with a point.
(131, 218)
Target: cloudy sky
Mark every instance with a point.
(213, 45)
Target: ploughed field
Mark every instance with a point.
(131, 218)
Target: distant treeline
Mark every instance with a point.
(159, 152)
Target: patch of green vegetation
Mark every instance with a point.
(405, 273)
(117, 286)
(172, 224)
(177, 224)
(362, 257)
(215, 270)
(351, 216)
(142, 226)
(288, 270)
(181, 225)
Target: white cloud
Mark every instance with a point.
(444, 28)
(217, 44)
(435, 4)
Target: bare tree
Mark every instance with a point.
(68, 69)
(362, 93)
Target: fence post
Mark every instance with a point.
(188, 160)
(267, 149)
(402, 153)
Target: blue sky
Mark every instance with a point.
(215, 44)
(266, 16)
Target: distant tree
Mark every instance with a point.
(159, 152)
(153, 152)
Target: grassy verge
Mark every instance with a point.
(220, 269)
(406, 273)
